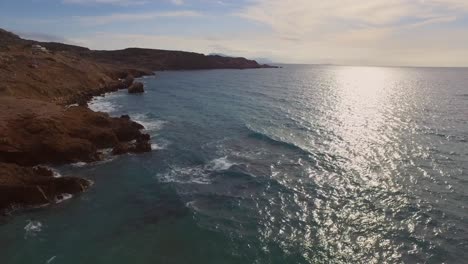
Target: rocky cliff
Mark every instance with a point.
(39, 82)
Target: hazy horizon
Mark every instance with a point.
(418, 33)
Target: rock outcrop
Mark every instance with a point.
(28, 186)
(136, 87)
(34, 132)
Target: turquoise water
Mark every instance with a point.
(305, 164)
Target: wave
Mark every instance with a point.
(322, 161)
(148, 122)
(79, 164)
(32, 228)
(99, 105)
(220, 164)
(156, 146)
(276, 141)
(104, 103)
(200, 174)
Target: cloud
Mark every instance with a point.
(375, 32)
(43, 37)
(118, 2)
(366, 31)
(177, 2)
(132, 17)
(303, 17)
(111, 2)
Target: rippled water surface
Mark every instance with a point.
(305, 164)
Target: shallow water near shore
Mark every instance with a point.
(304, 164)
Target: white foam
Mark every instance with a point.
(65, 196)
(155, 146)
(185, 175)
(55, 173)
(196, 174)
(221, 164)
(79, 164)
(32, 228)
(100, 105)
(150, 124)
(104, 104)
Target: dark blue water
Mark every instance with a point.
(305, 164)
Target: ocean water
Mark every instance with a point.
(304, 164)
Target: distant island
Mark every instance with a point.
(44, 118)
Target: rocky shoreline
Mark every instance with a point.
(34, 133)
(44, 118)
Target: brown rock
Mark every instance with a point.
(35, 132)
(136, 87)
(27, 186)
(128, 81)
(140, 145)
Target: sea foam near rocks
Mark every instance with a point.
(98, 105)
(104, 104)
(63, 197)
(150, 124)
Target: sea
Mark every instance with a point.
(302, 164)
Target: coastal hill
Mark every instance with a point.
(158, 60)
(44, 119)
(62, 72)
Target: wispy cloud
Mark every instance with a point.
(177, 2)
(119, 2)
(302, 17)
(379, 32)
(131, 17)
(111, 2)
(365, 31)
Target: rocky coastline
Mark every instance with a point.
(45, 121)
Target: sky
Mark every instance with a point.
(351, 32)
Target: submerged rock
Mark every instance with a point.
(136, 87)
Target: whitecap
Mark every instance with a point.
(200, 174)
(155, 146)
(194, 174)
(32, 228)
(220, 164)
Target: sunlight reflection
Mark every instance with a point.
(362, 110)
